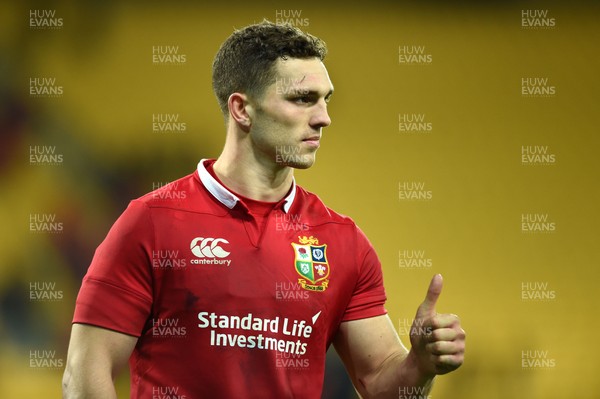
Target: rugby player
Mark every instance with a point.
(211, 293)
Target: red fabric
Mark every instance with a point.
(147, 280)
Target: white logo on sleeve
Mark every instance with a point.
(209, 247)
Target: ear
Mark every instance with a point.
(237, 104)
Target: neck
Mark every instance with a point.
(244, 171)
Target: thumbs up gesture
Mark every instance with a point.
(437, 339)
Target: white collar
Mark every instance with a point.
(226, 197)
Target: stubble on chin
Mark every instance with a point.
(296, 161)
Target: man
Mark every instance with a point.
(195, 289)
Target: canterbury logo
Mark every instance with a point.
(208, 247)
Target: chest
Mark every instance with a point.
(205, 263)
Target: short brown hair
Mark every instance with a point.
(245, 62)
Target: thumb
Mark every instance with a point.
(427, 308)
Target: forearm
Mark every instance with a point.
(87, 384)
(399, 377)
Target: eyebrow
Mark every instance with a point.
(313, 93)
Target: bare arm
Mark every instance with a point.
(376, 360)
(95, 356)
(381, 367)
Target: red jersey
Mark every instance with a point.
(222, 306)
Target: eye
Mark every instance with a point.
(302, 99)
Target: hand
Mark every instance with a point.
(438, 341)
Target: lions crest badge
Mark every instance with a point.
(311, 263)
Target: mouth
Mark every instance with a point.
(313, 140)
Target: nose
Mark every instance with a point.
(321, 117)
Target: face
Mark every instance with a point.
(288, 119)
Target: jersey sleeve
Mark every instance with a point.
(116, 292)
(369, 297)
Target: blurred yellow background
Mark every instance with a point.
(502, 165)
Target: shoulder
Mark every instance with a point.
(176, 190)
(186, 194)
(314, 209)
(316, 214)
